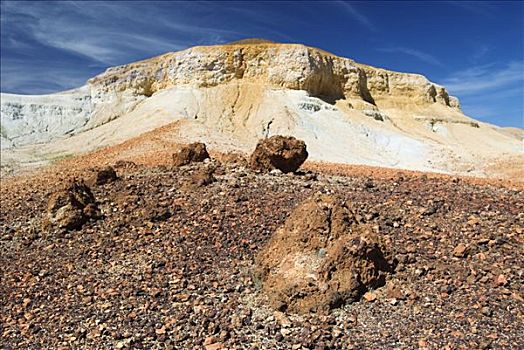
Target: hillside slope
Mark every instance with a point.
(231, 95)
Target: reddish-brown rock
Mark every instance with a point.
(321, 258)
(194, 152)
(285, 153)
(71, 207)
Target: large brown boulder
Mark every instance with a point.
(285, 153)
(70, 207)
(321, 258)
(194, 152)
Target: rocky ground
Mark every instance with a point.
(170, 262)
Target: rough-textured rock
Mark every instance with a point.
(194, 152)
(102, 176)
(71, 207)
(284, 153)
(291, 66)
(27, 119)
(321, 258)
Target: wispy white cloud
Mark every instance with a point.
(488, 77)
(95, 31)
(491, 92)
(110, 32)
(103, 46)
(422, 56)
(483, 8)
(481, 52)
(351, 10)
(50, 46)
(38, 81)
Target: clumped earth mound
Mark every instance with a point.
(71, 207)
(321, 258)
(285, 153)
(102, 176)
(194, 152)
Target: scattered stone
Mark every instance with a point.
(394, 292)
(215, 346)
(71, 207)
(502, 280)
(167, 268)
(285, 332)
(370, 296)
(460, 251)
(282, 319)
(486, 311)
(210, 340)
(154, 213)
(199, 177)
(194, 152)
(278, 152)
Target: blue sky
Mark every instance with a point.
(475, 49)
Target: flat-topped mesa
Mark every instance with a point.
(231, 95)
(291, 66)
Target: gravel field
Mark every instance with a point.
(169, 264)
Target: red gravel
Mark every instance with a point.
(170, 266)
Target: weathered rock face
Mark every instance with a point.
(27, 119)
(279, 152)
(321, 258)
(71, 207)
(291, 66)
(194, 152)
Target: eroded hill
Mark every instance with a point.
(229, 96)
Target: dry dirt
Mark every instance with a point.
(172, 266)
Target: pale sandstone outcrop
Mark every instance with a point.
(289, 66)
